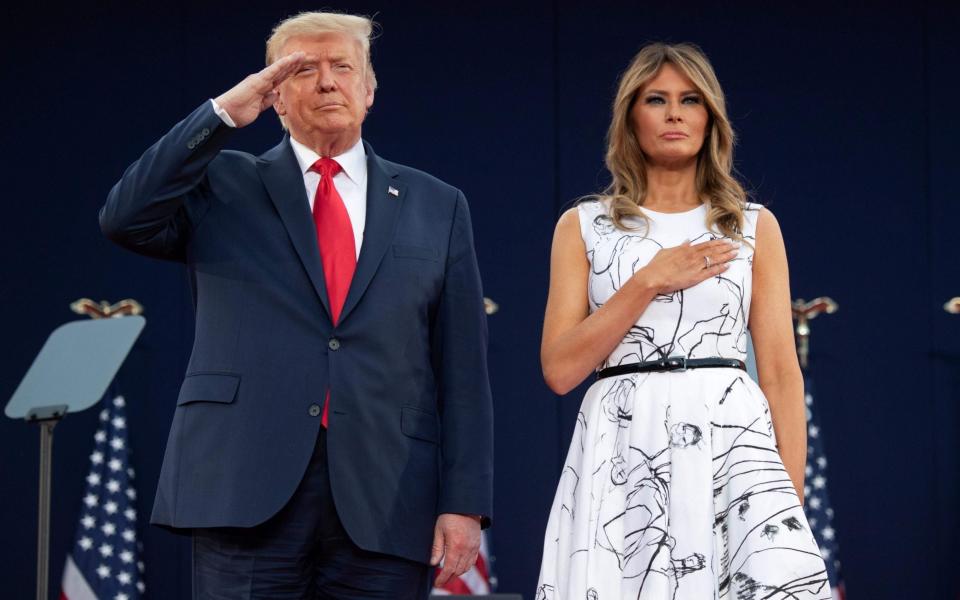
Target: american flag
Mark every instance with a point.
(817, 500)
(103, 563)
(475, 582)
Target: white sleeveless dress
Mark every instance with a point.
(673, 488)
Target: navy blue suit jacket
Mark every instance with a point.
(410, 417)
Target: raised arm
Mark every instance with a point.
(771, 327)
(161, 196)
(576, 341)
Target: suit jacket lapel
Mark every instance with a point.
(383, 209)
(281, 175)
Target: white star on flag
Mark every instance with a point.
(104, 559)
(818, 511)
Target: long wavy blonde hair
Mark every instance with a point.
(715, 182)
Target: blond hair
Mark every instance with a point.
(308, 24)
(625, 160)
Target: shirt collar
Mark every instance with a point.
(353, 161)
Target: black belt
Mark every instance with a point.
(674, 363)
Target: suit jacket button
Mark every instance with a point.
(314, 410)
(333, 344)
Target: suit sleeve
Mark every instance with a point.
(164, 194)
(464, 388)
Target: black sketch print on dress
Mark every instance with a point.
(770, 531)
(792, 523)
(625, 488)
(748, 587)
(545, 592)
(613, 265)
(682, 434)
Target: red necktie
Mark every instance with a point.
(337, 247)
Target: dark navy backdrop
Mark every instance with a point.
(848, 129)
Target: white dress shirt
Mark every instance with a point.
(351, 181)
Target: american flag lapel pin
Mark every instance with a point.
(393, 191)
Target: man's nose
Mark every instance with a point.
(325, 80)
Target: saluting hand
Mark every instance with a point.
(686, 265)
(245, 101)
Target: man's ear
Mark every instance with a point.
(279, 106)
(369, 98)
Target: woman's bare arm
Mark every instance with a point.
(575, 341)
(771, 326)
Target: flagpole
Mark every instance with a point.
(43, 528)
(802, 313)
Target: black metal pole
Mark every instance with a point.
(43, 527)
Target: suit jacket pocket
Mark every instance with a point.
(209, 387)
(421, 252)
(420, 424)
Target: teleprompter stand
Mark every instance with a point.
(70, 374)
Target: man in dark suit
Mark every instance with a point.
(333, 433)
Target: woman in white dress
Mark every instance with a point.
(684, 478)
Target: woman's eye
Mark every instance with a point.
(692, 100)
(655, 100)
